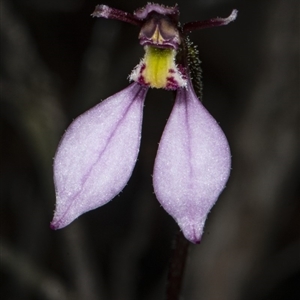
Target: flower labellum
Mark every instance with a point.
(98, 152)
(158, 69)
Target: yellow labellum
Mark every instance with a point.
(158, 69)
(158, 63)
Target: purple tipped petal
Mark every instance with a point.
(192, 164)
(97, 154)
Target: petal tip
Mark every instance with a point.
(54, 226)
(196, 239)
(193, 233)
(56, 223)
(193, 239)
(196, 242)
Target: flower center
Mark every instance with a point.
(158, 69)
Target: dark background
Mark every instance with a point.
(56, 62)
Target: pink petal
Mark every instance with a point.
(97, 154)
(192, 164)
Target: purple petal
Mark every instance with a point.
(97, 154)
(192, 164)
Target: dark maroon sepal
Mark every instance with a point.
(171, 11)
(188, 27)
(104, 11)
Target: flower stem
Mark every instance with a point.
(176, 267)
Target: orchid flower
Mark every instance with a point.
(98, 152)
